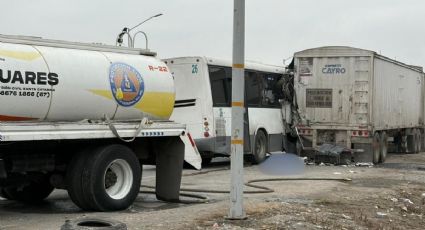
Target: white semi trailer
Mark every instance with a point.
(84, 118)
(359, 100)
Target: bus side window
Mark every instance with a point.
(220, 78)
(252, 88)
(272, 90)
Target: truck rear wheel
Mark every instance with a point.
(35, 192)
(260, 147)
(384, 147)
(376, 147)
(111, 179)
(74, 179)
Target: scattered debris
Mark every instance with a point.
(364, 164)
(405, 200)
(404, 208)
(346, 217)
(381, 215)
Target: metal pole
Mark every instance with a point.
(238, 110)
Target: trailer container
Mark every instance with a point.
(359, 100)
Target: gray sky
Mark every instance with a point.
(275, 29)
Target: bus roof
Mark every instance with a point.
(225, 62)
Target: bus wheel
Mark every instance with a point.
(112, 179)
(376, 148)
(260, 147)
(384, 147)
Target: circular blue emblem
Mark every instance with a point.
(127, 84)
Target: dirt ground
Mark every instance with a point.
(391, 196)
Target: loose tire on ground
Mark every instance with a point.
(384, 147)
(93, 223)
(35, 192)
(112, 179)
(376, 147)
(260, 147)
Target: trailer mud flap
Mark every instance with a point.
(169, 167)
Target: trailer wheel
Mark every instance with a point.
(260, 147)
(418, 141)
(111, 181)
(384, 147)
(376, 147)
(35, 192)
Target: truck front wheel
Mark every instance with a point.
(111, 179)
(34, 192)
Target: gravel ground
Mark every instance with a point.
(391, 196)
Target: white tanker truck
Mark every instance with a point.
(84, 118)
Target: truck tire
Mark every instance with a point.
(74, 179)
(93, 223)
(384, 147)
(4, 194)
(376, 147)
(111, 180)
(260, 147)
(35, 192)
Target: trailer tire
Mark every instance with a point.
(33, 193)
(384, 147)
(260, 147)
(376, 147)
(418, 141)
(74, 179)
(112, 179)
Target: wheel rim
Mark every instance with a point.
(118, 179)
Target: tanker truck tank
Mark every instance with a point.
(46, 80)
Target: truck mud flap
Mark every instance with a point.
(169, 167)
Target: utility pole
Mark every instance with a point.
(238, 110)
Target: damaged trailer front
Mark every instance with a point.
(359, 100)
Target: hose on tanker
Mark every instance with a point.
(250, 183)
(142, 124)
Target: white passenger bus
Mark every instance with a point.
(203, 103)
